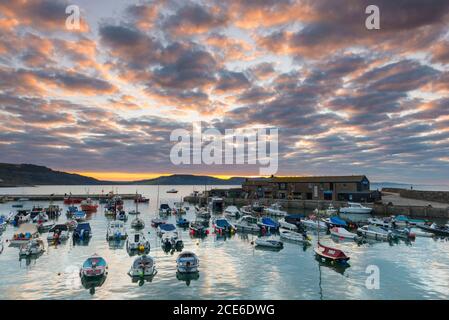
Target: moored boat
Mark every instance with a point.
(187, 262)
(138, 242)
(198, 229)
(330, 254)
(32, 248)
(156, 222)
(355, 208)
(94, 267)
(295, 236)
(166, 228)
(116, 231)
(143, 266)
(88, 205)
(268, 224)
(314, 224)
(222, 225)
(232, 212)
(172, 191)
(247, 223)
(122, 216)
(137, 223)
(183, 222)
(269, 242)
(82, 232)
(340, 232)
(441, 231)
(275, 210)
(335, 222)
(377, 233)
(24, 234)
(79, 216)
(57, 233)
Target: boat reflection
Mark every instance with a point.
(338, 267)
(187, 277)
(91, 284)
(142, 279)
(116, 244)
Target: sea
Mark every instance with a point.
(230, 267)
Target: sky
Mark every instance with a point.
(103, 100)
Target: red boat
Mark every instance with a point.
(88, 205)
(70, 200)
(331, 254)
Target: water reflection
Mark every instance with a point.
(187, 277)
(92, 283)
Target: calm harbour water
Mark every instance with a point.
(230, 268)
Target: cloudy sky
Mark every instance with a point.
(104, 99)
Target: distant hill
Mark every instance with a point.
(15, 175)
(29, 175)
(189, 179)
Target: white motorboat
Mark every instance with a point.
(166, 228)
(287, 225)
(24, 234)
(246, 210)
(138, 242)
(94, 267)
(116, 231)
(269, 242)
(355, 208)
(232, 212)
(247, 223)
(420, 233)
(172, 191)
(143, 266)
(59, 232)
(32, 248)
(187, 262)
(314, 224)
(137, 223)
(41, 217)
(342, 233)
(295, 236)
(275, 210)
(170, 240)
(374, 232)
(384, 223)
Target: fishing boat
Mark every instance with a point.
(122, 216)
(22, 216)
(166, 228)
(198, 229)
(138, 242)
(342, 233)
(59, 232)
(295, 237)
(172, 191)
(44, 226)
(88, 205)
(79, 216)
(247, 224)
(269, 242)
(187, 262)
(171, 241)
(165, 209)
(331, 254)
(94, 267)
(355, 208)
(314, 224)
(216, 205)
(32, 248)
(24, 234)
(275, 210)
(268, 224)
(156, 222)
(222, 225)
(335, 222)
(82, 232)
(232, 212)
(440, 231)
(143, 266)
(137, 223)
(183, 223)
(374, 232)
(116, 231)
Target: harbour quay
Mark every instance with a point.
(61, 197)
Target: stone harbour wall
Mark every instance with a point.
(435, 196)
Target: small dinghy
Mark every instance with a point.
(232, 212)
(342, 233)
(295, 237)
(143, 266)
(166, 228)
(116, 231)
(384, 223)
(377, 233)
(269, 242)
(247, 224)
(275, 210)
(164, 209)
(138, 242)
(58, 233)
(82, 232)
(25, 233)
(222, 225)
(32, 248)
(198, 229)
(331, 254)
(182, 222)
(440, 231)
(170, 241)
(314, 224)
(45, 226)
(94, 267)
(268, 224)
(137, 223)
(122, 216)
(79, 216)
(157, 221)
(187, 262)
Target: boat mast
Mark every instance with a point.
(137, 203)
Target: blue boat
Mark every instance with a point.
(294, 218)
(82, 232)
(269, 224)
(182, 222)
(336, 222)
(222, 225)
(79, 215)
(71, 210)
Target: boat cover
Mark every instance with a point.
(270, 222)
(338, 221)
(83, 226)
(167, 227)
(222, 223)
